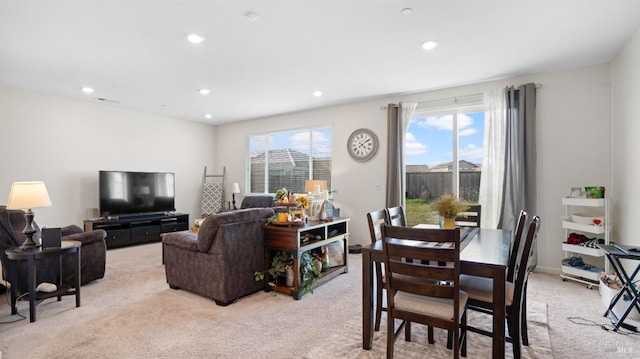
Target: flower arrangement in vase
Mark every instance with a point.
(303, 202)
(448, 208)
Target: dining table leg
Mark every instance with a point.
(367, 300)
(499, 307)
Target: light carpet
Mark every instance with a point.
(347, 342)
(132, 313)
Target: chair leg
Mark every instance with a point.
(378, 306)
(516, 337)
(430, 335)
(407, 331)
(523, 318)
(463, 335)
(456, 344)
(449, 340)
(390, 336)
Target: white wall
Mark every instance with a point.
(625, 75)
(66, 142)
(69, 141)
(573, 117)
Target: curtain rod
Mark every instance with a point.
(455, 99)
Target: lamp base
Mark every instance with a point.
(28, 231)
(24, 248)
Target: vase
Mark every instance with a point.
(447, 223)
(289, 277)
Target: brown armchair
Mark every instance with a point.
(93, 255)
(220, 261)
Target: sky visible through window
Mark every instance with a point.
(296, 140)
(429, 139)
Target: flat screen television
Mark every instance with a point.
(124, 192)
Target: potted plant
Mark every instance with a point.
(448, 208)
(309, 272)
(281, 265)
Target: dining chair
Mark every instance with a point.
(423, 291)
(516, 243)
(513, 256)
(469, 218)
(516, 247)
(480, 292)
(395, 216)
(376, 219)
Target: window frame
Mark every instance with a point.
(455, 111)
(313, 169)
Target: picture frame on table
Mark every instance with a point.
(326, 211)
(297, 214)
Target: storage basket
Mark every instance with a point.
(607, 293)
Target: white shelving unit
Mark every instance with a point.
(574, 205)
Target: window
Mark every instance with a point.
(293, 157)
(443, 154)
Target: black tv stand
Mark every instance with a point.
(138, 228)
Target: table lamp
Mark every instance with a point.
(235, 188)
(26, 196)
(316, 190)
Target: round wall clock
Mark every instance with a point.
(362, 144)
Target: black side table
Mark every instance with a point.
(614, 255)
(15, 254)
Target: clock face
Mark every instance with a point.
(362, 144)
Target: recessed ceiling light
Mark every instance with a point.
(86, 89)
(208, 115)
(251, 16)
(406, 11)
(429, 45)
(195, 38)
(317, 93)
(204, 91)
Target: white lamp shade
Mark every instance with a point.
(235, 188)
(28, 195)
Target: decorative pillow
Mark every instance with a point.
(336, 253)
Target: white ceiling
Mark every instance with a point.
(135, 52)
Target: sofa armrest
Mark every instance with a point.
(72, 229)
(186, 240)
(87, 237)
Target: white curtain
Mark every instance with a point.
(492, 180)
(399, 117)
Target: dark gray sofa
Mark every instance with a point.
(220, 261)
(257, 201)
(92, 256)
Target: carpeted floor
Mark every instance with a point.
(132, 313)
(347, 342)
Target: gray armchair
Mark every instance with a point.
(93, 251)
(220, 261)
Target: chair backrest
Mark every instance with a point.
(424, 276)
(516, 244)
(524, 258)
(470, 218)
(395, 216)
(376, 219)
(257, 201)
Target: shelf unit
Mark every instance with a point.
(573, 205)
(292, 239)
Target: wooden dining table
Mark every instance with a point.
(486, 254)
